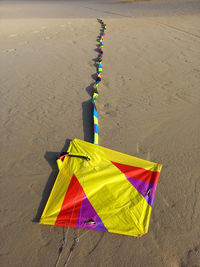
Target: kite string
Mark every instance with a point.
(73, 246)
(95, 95)
(96, 135)
(77, 238)
(64, 241)
(95, 117)
(65, 234)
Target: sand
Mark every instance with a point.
(148, 107)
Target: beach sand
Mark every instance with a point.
(149, 107)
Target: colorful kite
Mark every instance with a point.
(101, 189)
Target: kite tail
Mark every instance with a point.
(98, 80)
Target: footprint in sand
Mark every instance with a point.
(12, 35)
(9, 50)
(23, 43)
(148, 157)
(111, 113)
(192, 257)
(137, 148)
(36, 32)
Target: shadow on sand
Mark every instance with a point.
(51, 158)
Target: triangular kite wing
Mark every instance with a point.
(110, 192)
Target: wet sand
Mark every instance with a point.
(148, 107)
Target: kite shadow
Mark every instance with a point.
(87, 116)
(51, 158)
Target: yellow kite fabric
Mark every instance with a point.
(101, 189)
